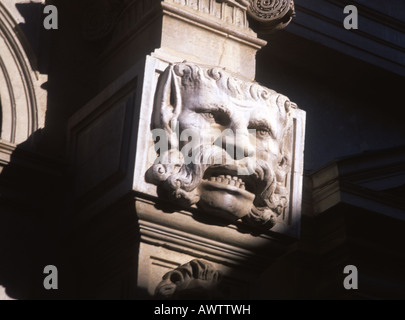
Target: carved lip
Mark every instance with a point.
(233, 190)
(227, 177)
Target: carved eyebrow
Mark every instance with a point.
(213, 107)
(261, 124)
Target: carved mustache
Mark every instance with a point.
(259, 177)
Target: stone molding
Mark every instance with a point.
(268, 15)
(366, 181)
(228, 11)
(220, 25)
(102, 18)
(232, 245)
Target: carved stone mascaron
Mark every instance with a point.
(241, 156)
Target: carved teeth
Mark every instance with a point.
(229, 180)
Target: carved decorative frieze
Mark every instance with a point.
(196, 279)
(229, 144)
(101, 17)
(270, 15)
(230, 11)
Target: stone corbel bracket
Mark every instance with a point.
(269, 16)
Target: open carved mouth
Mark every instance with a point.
(228, 176)
(226, 193)
(229, 181)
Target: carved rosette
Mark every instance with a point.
(197, 279)
(271, 15)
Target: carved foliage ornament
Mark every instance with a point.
(239, 161)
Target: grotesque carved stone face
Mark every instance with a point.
(237, 135)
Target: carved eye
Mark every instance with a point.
(263, 133)
(220, 118)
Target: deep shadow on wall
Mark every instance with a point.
(37, 221)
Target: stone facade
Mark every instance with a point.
(150, 152)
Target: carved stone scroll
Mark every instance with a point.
(196, 279)
(271, 15)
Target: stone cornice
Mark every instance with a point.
(102, 17)
(231, 245)
(378, 41)
(241, 33)
(267, 15)
(354, 181)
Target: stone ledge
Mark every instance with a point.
(227, 244)
(353, 181)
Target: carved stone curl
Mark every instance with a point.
(196, 279)
(271, 15)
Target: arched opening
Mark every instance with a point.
(21, 113)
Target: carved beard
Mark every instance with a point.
(252, 197)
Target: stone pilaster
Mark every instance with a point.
(180, 54)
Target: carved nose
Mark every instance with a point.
(238, 146)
